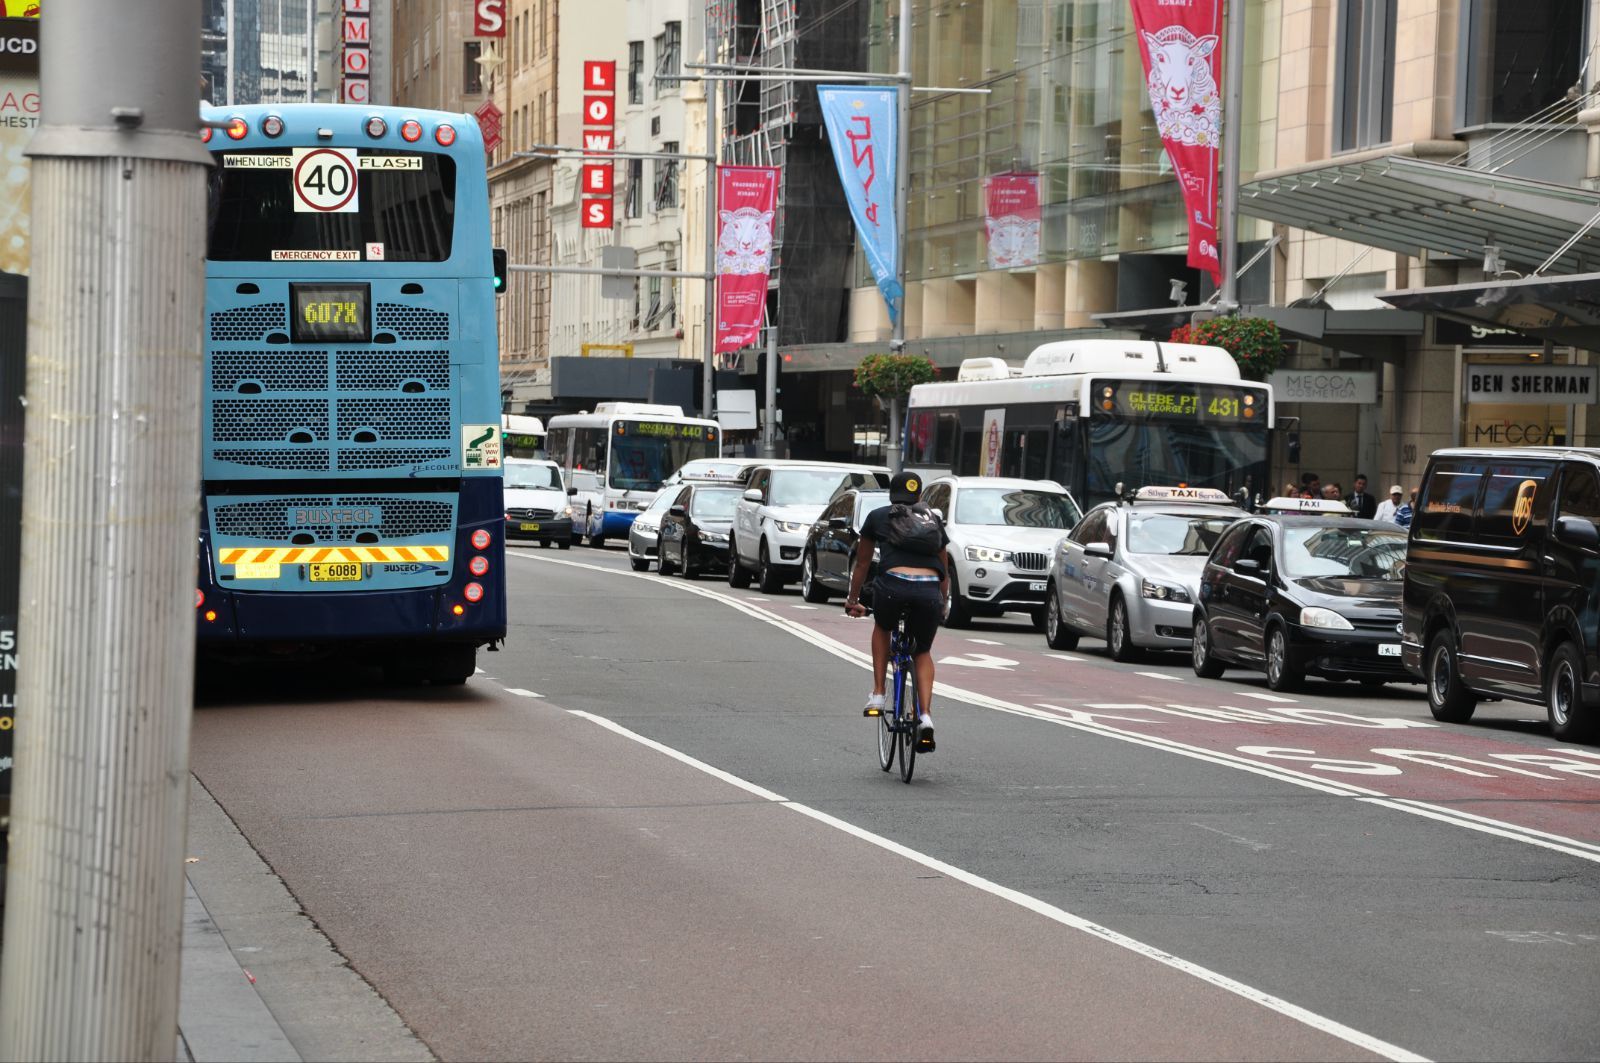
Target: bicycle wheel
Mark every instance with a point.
(908, 734)
(886, 740)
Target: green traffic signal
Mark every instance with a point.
(499, 270)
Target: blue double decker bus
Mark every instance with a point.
(352, 442)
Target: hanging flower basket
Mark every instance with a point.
(890, 376)
(1254, 342)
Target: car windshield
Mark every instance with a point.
(866, 502)
(714, 504)
(1017, 507)
(1352, 553)
(533, 476)
(662, 500)
(803, 487)
(1175, 534)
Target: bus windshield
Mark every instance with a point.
(1015, 507)
(406, 209)
(1134, 449)
(642, 462)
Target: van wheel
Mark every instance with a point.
(738, 578)
(1570, 721)
(1056, 632)
(1448, 698)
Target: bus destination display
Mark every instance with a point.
(1185, 402)
(666, 430)
(330, 313)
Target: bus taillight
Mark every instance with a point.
(445, 135)
(411, 130)
(205, 135)
(238, 128)
(473, 592)
(272, 126)
(376, 127)
(480, 539)
(478, 565)
(458, 609)
(199, 597)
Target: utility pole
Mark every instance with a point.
(1232, 134)
(769, 428)
(708, 384)
(93, 920)
(902, 199)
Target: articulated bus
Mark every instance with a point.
(615, 459)
(352, 436)
(1092, 414)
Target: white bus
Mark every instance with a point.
(615, 459)
(1092, 414)
(523, 435)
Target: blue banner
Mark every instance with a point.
(863, 131)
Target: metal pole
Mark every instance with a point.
(902, 197)
(1232, 134)
(228, 66)
(93, 919)
(769, 430)
(707, 383)
(311, 51)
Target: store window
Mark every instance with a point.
(1521, 59)
(635, 71)
(1363, 108)
(471, 72)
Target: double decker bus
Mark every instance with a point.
(352, 438)
(616, 458)
(1093, 414)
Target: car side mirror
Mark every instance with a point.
(1248, 564)
(753, 495)
(571, 491)
(1579, 531)
(838, 522)
(1097, 550)
(677, 511)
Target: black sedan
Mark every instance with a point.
(694, 529)
(1299, 595)
(830, 551)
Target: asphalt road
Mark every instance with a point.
(656, 828)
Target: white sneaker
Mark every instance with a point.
(874, 705)
(925, 734)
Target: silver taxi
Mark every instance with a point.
(1129, 571)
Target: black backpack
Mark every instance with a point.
(913, 529)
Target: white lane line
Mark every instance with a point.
(755, 599)
(810, 607)
(1283, 1007)
(1264, 697)
(1081, 721)
(519, 692)
(1257, 846)
(1162, 675)
(1065, 657)
(986, 642)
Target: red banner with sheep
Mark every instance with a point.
(1181, 46)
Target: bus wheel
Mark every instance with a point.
(452, 665)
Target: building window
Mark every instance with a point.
(1364, 106)
(544, 27)
(635, 71)
(634, 206)
(666, 182)
(669, 56)
(471, 72)
(1519, 60)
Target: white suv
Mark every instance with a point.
(1003, 533)
(781, 502)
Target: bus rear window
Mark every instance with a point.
(409, 210)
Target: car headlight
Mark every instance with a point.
(567, 512)
(988, 554)
(1311, 616)
(1161, 592)
(793, 527)
(714, 537)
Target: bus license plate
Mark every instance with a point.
(529, 527)
(1388, 649)
(1037, 586)
(335, 572)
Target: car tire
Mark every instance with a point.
(1570, 720)
(663, 566)
(639, 564)
(1119, 638)
(1057, 635)
(1036, 614)
(565, 544)
(544, 543)
(810, 589)
(1283, 674)
(688, 571)
(1201, 654)
(738, 575)
(1372, 686)
(957, 612)
(1448, 697)
(769, 581)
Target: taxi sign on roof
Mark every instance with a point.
(1181, 494)
(1325, 506)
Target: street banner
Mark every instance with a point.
(747, 205)
(1182, 65)
(994, 431)
(1012, 219)
(864, 133)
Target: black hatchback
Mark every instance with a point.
(830, 551)
(1294, 595)
(695, 527)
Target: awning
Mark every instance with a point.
(1564, 310)
(1410, 205)
(1378, 332)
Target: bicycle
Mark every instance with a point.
(897, 723)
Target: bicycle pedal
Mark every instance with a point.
(872, 712)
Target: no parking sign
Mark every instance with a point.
(325, 180)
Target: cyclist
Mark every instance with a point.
(913, 582)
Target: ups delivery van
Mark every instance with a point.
(1502, 583)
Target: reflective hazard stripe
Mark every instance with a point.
(290, 555)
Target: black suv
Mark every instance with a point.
(1502, 583)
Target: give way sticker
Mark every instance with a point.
(325, 180)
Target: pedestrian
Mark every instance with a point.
(1390, 506)
(1362, 504)
(1291, 490)
(1403, 515)
(1330, 492)
(1311, 482)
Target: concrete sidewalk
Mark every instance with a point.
(260, 983)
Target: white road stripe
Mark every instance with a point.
(986, 642)
(522, 693)
(811, 607)
(700, 765)
(1264, 697)
(1065, 657)
(1162, 675)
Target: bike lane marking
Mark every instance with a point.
(1280, 736)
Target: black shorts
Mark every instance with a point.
(919, 601)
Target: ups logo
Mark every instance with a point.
(1522, 511)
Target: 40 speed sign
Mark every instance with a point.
(325, 180)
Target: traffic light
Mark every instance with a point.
(499, 270)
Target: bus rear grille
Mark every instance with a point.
(273, 520)
(308, 459)
(269, 370)
(268, 420)
(1030, 561)
(392, 370)
(247, 324)
(413, 323)
(353, 459)
(395, 419)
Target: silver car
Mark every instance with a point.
(644, 534)
(1129, 571)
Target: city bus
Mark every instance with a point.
(615, 459)
(1093, 414)
(351, 476)
(524, 435)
